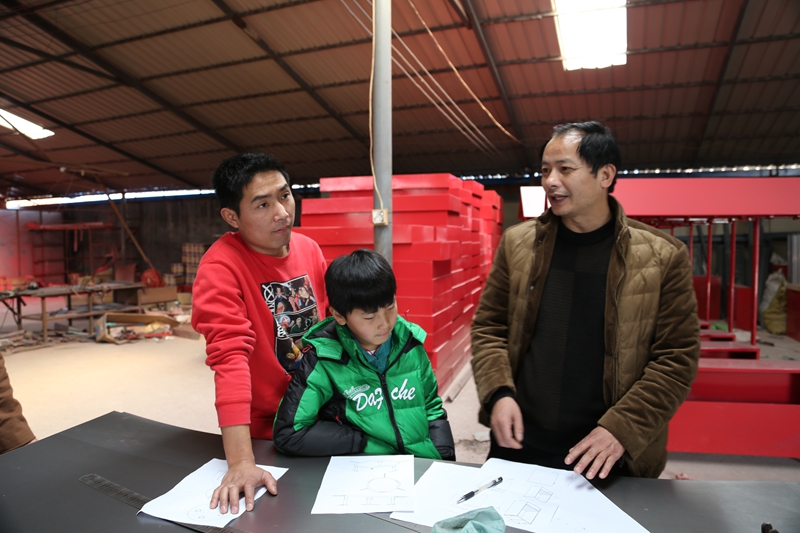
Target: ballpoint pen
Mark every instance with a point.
(482, 488)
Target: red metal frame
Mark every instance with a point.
(709, 239)
(685, 201)
(756, 249)
(732, 279)
(741, 407)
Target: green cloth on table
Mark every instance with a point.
(485, 520)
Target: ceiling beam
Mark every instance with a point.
(467, 101)
(104, 144)
(176, 29)
(123, 77)
(528, 160)
(49, 57)
(23, 185)
(684, 140)
(33, 8)
(242, 25)
(458, 7)
(551, 14)
(207, 22)
(46, 163)
(243, 61)
(582, 92)
(403, 76)
(30, 155)
(721, 77)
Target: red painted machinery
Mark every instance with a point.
(736, 406)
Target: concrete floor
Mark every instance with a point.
(167, 380)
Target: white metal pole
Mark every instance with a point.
(382, 121)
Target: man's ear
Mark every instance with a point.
(341, 320)
(606, 175)
(230, 216)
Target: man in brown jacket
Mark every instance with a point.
(14, 429)
(586, 338)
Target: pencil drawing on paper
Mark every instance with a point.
(375, 465)
(367, 484)
(520, 512)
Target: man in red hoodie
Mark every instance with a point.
(235, 295)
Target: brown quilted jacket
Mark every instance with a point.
(652, 334)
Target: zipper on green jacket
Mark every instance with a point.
(401, 447)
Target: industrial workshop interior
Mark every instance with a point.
(421, 130)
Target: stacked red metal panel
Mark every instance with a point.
(444, 235)
(490, 229)
(741, 407)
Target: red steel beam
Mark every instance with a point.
(708, 273)
(756, 245)
(731, 290)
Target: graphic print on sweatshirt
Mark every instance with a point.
(294, 308)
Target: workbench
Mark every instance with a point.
(40, 488)
(126, 296)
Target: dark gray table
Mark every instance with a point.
(40, 491)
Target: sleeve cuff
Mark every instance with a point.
(502, 392)
(233, 414)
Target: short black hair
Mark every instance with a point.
(598, 146)
(235, 173)
(361, 280)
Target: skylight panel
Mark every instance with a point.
(26, 127)
(592, 33)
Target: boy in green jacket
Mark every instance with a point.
(365, 384)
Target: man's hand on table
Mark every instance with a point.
(600, 449)
(243, 476)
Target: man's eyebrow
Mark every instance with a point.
(268, 195)
(563, 160)
(260, 197)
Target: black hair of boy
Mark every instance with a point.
(235, 173)
(361, 280)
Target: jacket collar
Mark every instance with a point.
(331, 339)
(549, 220)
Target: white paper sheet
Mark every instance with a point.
(188, 501)
(587, 510)
(366, 484)
(437, 492)
(531, 498)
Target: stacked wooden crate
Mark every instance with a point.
(191, 254)
(439, 249)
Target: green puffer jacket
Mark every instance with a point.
(361, 410)
(652, 333)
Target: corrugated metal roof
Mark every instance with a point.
(192, 48)
(167, 88)
(101, 21)
(102, 104)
